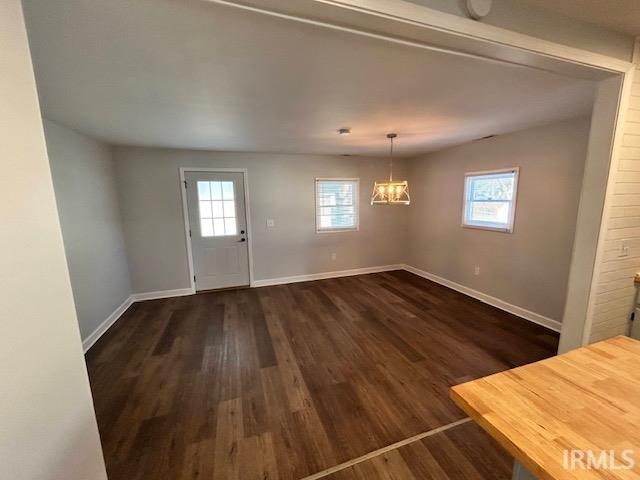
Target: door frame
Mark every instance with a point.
(187, 226)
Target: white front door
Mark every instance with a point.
(218, 222)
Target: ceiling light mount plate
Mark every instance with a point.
(478, 8)
(344, 131)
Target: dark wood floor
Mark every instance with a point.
(461, 453)
(285, 381)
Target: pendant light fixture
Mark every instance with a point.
(391, 192)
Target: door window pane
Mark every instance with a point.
(217, 210)
(217, 216)
(203, 191)
(218, 227)
(230, 226)
(216, 190)
(206, 227)
(229, 209)
(227, 191)
(205, 210)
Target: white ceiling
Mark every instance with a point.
(194, 74)
(619, 15)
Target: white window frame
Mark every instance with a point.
(512, 211)
(356, 200)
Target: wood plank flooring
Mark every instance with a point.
(462, 453)
(282, 382)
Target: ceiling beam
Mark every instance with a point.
(417, 26)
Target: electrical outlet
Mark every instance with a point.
(333, 256)
(624, 249)
(476, 271)
(271, 222)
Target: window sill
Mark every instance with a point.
(486, 227)
(338, 230)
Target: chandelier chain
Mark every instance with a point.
(391, 161)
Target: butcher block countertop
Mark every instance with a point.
(586, 399)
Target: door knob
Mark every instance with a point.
(243, 239)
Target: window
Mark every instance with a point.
(217, 209)
(490, 199)
(336, 204)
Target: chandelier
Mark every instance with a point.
(391, 192)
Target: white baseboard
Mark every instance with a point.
(483, 297)
(180, 292)
(88, 342)
(321, 276)
(493, 301)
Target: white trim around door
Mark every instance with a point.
(187, 226)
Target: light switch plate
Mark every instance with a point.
(624, 249)
(271, 222)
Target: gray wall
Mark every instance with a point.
(517, 16)
(280, 187)
(48, 428)
(84, 180)
(528, 268)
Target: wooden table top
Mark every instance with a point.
(586, 399)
